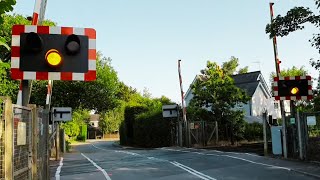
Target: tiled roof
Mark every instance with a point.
(247, 82)
(94, 117)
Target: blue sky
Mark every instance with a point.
(145, 38)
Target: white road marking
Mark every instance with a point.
(59, 169)
(127, 152)
(234, 157)
(102, 170)
(193, 171)
(253, 162)
(181, 166)
(98, 147)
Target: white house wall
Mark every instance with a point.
(262, 103)
(188, 98)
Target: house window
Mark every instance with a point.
(276, 106)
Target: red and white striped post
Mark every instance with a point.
(25, 84)
(277, 64)
(184, 110)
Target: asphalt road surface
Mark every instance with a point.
(104, 160)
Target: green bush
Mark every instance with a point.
(83, 133)
(123, 134)
(68, 146)
(151, 130)
(253, 131)
(126, 128)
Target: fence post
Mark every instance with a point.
(34, 137)
(57, 142)
(265, 146)
(217, 133)
(299, 135)
(8, 154)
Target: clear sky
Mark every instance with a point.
(145, 38)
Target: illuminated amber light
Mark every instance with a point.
(53, 57)
(294, 90)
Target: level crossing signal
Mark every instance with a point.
(53, 53)
(292, 88)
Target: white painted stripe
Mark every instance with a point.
(54, 30)
(292, 78)
(78, 76)
(234, 157)
(275, 83)
(282, 98)
(303, 77)
(253, 162)
(29, 75)
(127, 152)
(100, 169)
(310, 92)
(15, 62)
(281, 78)
(204, 175)
(15, 40)
(191, 171)
(92, 44)
(293, 98)
(98, 147)
(78, 31)
(309, 82)
(92, 65)
(59, 169)
(54, 75)
(304, 98)
(30, 28)
(275, 93)
(184, 167)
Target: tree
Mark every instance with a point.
(8, 87)
(294, 20)
(294, 71)
(80, 117)
(110, 121)
(216, 90)
(229, 67)
(243, 70)
(6, 6)
(146, 93)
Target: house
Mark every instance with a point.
(94, 120)
(94, 131)
(261, 99)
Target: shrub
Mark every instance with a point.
(126, 127)
(253, 131)
(151, 130)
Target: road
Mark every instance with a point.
(103, 160)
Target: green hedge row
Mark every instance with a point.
(144, 127)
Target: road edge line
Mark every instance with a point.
(57, 175)
(189, 171)
(101, 169)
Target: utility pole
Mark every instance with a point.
(184, 112)
(277, 64)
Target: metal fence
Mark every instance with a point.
(22, 124)
(24, 152)
(2, 143)
(42, 143)
(203, 133)
(312, 129)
